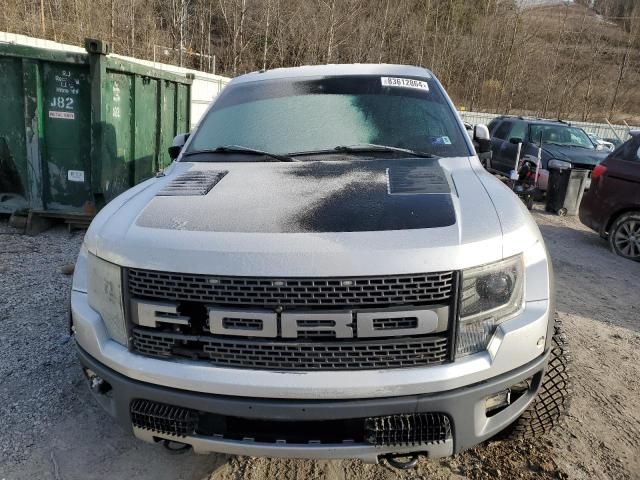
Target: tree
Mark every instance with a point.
(489, 54)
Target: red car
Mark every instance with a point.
(612, 205)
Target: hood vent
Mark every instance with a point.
(195, 183)
(416, 180)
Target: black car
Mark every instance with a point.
(612, 206)
(562, 145)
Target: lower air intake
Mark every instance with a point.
(163, 418)
(388, 431)
(408, 429)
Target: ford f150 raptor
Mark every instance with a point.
(324, 271)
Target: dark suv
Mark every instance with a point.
(612, 205)
(561, 143)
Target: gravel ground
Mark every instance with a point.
(37, 365)
(50, 427)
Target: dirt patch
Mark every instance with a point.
(496, 460)
(598, 299)
(50, 427)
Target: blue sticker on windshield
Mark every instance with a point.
(441, 141)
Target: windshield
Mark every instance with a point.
(560, 135)
(312, 115)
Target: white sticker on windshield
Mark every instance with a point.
(404, 83)
(75, 175)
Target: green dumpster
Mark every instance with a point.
(78, 129)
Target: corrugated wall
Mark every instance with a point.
(77, 129)
(205, 86)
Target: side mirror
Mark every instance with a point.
(482, 138)
(515, 140)
(176, 146)
(481, 132)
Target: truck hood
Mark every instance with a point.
(341, 218)
(320, 196)
(575, 155)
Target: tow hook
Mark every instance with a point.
(402, 462)
(175, 447)
(96, 383)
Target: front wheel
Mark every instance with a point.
(529, 202)
(552, 402)
(624, 236)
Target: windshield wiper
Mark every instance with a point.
(372, 147)
(241, 149)
(363, 148)
(567, 145)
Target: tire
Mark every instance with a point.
(548, 408)
(529, 202)
(624, 236)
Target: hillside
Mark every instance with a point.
(559, 61)
(569, 62)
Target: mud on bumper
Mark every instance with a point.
(437, 425)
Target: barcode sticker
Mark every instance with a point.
(404, 83)
(63, 115)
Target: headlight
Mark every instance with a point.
(558, 164)
(490, 294)
(105, 296)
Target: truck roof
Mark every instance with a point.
(534, 120)
(334, 70)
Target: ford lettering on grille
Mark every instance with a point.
(297, 323)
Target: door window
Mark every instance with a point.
(492, 125)
(519, 130)
(629, 151)
(502, 132)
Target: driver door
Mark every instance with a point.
(509, 150)
(498, 140)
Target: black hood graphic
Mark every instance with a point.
(321, 196)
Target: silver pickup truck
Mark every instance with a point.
(324, 271)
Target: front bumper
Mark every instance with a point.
(516, 342)
(464, 406)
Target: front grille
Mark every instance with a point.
(395, 323)
(242, 323)
(379, 291)
(583, 166)
(407, 430)
(392, 430)
(351, 354)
